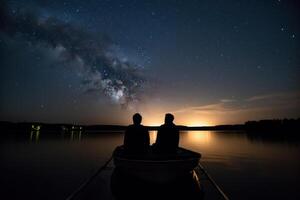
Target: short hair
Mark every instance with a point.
(169, 118)
(137, 118)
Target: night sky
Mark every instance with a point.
(99, 61)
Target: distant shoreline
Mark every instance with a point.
(262, 125)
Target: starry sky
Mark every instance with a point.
(208, 62)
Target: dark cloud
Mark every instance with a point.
(103, 69)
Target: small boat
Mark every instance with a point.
(155, 167)
(156, 176)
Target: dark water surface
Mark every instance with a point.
(52, 165)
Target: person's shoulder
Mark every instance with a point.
(176, 128)
(163, 126)
(131, 126)
(172, 127)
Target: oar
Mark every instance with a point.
(218, 188)
(86, 182)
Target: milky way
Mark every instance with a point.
(103, 69)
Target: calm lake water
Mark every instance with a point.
(52, 165)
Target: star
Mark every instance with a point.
(258, 67)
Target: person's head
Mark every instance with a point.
(137, 118)
(169, 118)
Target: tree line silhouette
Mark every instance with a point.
(263, 126)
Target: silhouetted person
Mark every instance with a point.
(167, 139)
(136, 139)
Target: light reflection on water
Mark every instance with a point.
(49, 166)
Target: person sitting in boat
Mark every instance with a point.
(167, 139)
(136, 139)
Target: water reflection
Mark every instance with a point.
(291, 138)
(75, 135)
(59, 161)
(152, 135)
(72, 135)
(189, 137)
(198, 137)
(34, 135)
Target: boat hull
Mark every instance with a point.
(157, 168)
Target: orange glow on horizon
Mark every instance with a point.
(199, 124)
(156, 122)
(195, 121)
(185, 119)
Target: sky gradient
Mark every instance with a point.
(207, 62)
